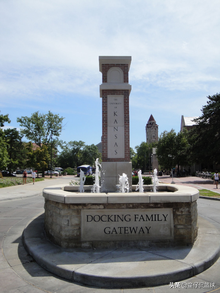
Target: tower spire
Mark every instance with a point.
(151, 130)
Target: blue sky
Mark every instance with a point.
(49, 60)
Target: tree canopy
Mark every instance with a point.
(4, 158)
(142, 158)
(172, 149)
(204, 138)
(3, 119)
(76, 153)
(39, 128)
(166, 151)
(15, 148)
(38, 158)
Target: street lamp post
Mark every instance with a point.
(51, 155)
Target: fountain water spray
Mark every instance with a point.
(82, 181)
(96, 187)
(123, 183)
(155, 181)
(140, 182)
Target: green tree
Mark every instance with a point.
(76, 153)
(172, 149)
(204, 138)
(166, 150)
(3, 119)
(89, 154)
(4, 158)
(41, 129)
(15, 148)
(38, 157)
(142, 158)
(132, 153)
(71, 154)
(182, 149)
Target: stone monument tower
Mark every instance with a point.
(151, 137)
(115, 91)
(151, 130)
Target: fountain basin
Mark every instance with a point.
(167, 217)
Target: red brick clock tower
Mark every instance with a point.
(115, 91)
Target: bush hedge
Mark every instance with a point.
(135, 179)
(69, 171)
(147, 180)
(89, 180)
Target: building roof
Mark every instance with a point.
(151, 119)
(187, 122)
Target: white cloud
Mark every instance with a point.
(163, 38)
(51, 48)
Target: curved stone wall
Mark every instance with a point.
(167, 217)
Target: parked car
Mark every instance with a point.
(19, 171)
(49, 172)
(7, 174)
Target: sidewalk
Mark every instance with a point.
(30, 189)
(197, 182)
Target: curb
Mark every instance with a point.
(207, 197)
(128, 268)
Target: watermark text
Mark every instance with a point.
(192, 285)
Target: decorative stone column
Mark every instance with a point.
(115, 91)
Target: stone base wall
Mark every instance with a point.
(63, 223)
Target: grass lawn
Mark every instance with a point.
(205, 192)
(11, 181)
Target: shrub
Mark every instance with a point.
(69, 171)
(147, 180)
(89, 180)
(12, 181)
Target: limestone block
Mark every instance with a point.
(183, 210)
(182, 220)
(93, 206)
(65, 221)
(75, 221)
(76, 207)
(110, 183)
(110, 168)
(69, 234)
(54, 229)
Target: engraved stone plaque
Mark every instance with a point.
(126, 224)
(116, 148)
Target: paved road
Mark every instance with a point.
(20, 273)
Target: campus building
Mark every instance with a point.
(152, 137)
